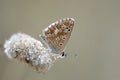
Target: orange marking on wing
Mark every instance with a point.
(58, 26)
(47, 32)
(61, 41)
(52, 30)
(68, 24)
(71, 25)
(51, 38)
(64, 33)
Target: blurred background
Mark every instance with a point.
(93, 51)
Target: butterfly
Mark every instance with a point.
(57, 34)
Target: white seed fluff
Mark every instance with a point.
(29, 50)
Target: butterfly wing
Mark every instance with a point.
(57, 34)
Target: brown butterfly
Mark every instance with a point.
(57, 34)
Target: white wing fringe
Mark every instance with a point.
(29, 50)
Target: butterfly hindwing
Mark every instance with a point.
(57, 34)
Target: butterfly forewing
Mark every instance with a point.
(57, 34)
